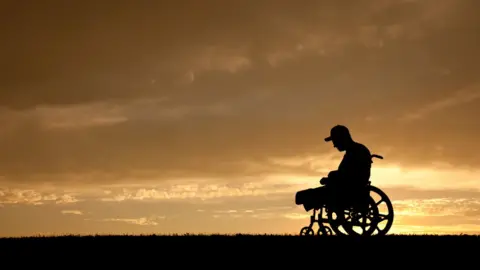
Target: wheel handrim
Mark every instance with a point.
(383, 203)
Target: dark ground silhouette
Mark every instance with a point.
(241, 250)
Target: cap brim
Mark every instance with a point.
(328, 139)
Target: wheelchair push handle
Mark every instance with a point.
(375, 156)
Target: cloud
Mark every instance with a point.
(466, 95)
(159, 153)
(22, 196)
(222, 59)
(420, 210)
(142, 221)
(439, 214)
(266, 177)
(467, 207)
(98, 114)
(269, 211)
(65, 199)
(32, 197)
(207, 190)
(267, 89)
(72, 212)
(78, 116)
(258, 35)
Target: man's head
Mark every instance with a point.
(340, 137)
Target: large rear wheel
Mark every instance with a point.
(385, 216)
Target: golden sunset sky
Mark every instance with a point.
(205, 116)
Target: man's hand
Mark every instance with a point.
(332, 174)
(324, 181)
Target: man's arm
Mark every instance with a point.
(331, 177)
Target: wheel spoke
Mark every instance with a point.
(380, 201)
(382, 217)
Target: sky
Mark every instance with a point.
(141, 117)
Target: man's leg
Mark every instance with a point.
(311, 198)
(334, 194)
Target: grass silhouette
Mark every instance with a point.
(225, 250)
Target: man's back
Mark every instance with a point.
(356, 164)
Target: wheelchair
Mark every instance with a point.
(358, 216)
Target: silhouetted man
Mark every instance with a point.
(352, 174)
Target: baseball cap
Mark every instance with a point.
(338, 131)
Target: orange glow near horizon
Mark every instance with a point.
(265, 203)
